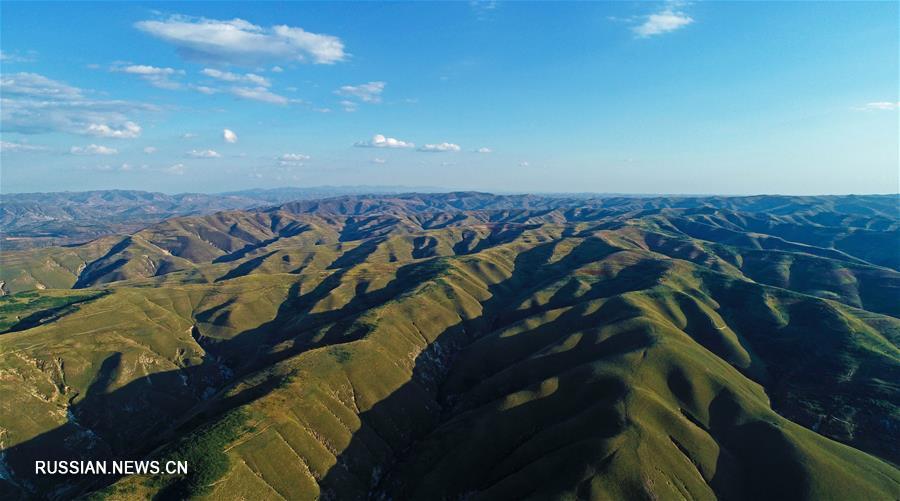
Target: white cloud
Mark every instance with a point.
(484, 149)
(258, 80)
(380, 141)
(237, 41)
(379, 161)
(203, 89)
(368, 92)
(92, 149)
(259, 94)
(176, 169)
(128, 130)
(524, 164)
(203, 154)
(323, 49)
(125, 167)
(292, 159)
(882, 106)
(247, 86)
(440, 147)
(277, 69)
(188, 135)
(37, 86)
(227, 76)
(229, 136)
(664, 21)
(33, 103)
(8, 57)
(143, 69)
(349, 106)
(10, 147)
(156, 76)
(483, 8)
(149, 150)
(221, 75)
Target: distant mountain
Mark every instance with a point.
(30, 220)
(466, 345)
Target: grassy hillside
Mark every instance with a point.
(494, 349)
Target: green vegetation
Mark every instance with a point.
(203, 450)
(29, 309)
(733, 348)
(340, 354)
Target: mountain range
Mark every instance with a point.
(29, 220)
(457, 346)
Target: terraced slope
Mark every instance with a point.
(464, 346)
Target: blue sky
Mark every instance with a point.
(635, 97)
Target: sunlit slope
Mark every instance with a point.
(50, 268)
(508, 353)
(854, 230)
(612, 374)
(108, 377)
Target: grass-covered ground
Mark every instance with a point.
(522, 354)
(29, 309)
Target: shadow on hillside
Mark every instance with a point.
(423, 403)
(43, 316)
(756, 459)
(130, 421)
(289, 231)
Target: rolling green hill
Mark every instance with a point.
(466, 345)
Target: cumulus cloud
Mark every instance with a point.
(292, 159)
(440, 147)
(33, 103)
(149, 150)
(524, 164)
(156, 76)
(128, 130)
(203, 89)
(380, 141)
(379, 161)
(229, 136)
(176, 169)
(349, 106)
(368, 92)
(259, 94)
(237, 41)
(203, 154)
(484, 149)
(227, 76)
(664, 21)
(10, 147)
(92, 149)
(247, 86)
(277, 69)
(143, 69)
